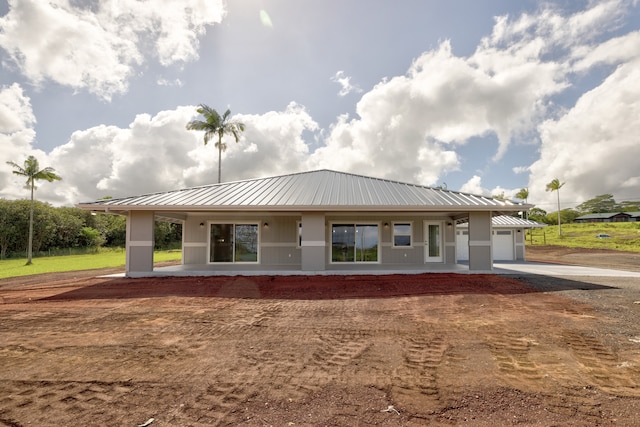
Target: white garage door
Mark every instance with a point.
(503, 245)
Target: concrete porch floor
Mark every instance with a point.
(503, 267)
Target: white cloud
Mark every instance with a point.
(16, 139)
(15, 109)
(99, 50)
(594, 146)
(520, 169)
(345, 84)
(166, 82)
(474, 186)
(157, 153)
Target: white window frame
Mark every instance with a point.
(393, 234)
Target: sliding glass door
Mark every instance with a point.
(233, 243)
(354, 243)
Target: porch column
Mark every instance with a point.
(480, 250)
(313, 242)
(520, 237)
(140, 242)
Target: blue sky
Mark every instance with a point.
(483, 96)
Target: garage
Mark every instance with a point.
(507, 238)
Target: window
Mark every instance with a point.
(401, 234)
(354, 243)
(233, 243)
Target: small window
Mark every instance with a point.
(299, 234)
(401, 234)
(503, 233)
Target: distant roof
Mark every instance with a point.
(322, 189)
(507, 221)
(603, 215)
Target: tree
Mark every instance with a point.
(215, 126)
(523, 195)
(499, 196)
(555, 185)
(538, 215)
(603, 203)
(33, 173)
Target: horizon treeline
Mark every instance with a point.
(59, 229)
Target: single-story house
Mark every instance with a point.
(608, 217)
(508, 238)
(311, 222)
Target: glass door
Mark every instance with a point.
(433, 241)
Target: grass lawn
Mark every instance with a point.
(625, 236)
(104, 259)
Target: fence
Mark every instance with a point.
(536, 237)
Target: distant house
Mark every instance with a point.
(609, 217)
(634, 216)
(507, 238)
(312, 221)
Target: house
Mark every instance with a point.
(507, 237)
(311, 222)
(607, 217)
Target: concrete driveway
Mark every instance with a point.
(555, 270)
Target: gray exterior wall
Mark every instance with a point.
(280, 247)
(480, 250)
(139, 242)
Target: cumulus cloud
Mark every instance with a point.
(594, 146)
(100, 50)
(156, 153)
(16, 138)
(345, 84)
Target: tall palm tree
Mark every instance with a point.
(33, 173)
(523, 195)
(213, 125)
(555, 185)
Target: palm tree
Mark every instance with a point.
(523, 195)
(32, 171)
(214, 125)
(555, 185)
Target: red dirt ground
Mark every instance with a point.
(397, 350)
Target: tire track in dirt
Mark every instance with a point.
(73, 398)
(416, 381)
(512, 353)
(602, 365)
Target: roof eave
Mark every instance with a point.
(332, 208)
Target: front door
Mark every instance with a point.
(433, 241)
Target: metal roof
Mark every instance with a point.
(322, 189)
(604, 215)
(508, 221)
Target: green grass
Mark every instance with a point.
(104, 259)
(625, 236)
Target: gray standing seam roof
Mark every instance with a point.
(308, 190)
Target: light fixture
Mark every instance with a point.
(386, 225)
(266, 225)
(202, 225)
(449, 224)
